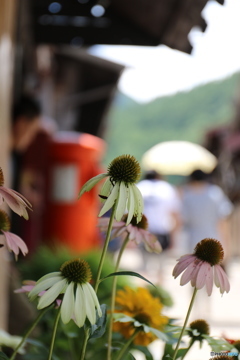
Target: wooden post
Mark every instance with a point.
(7, 16)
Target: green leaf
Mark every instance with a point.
(217, 344)
(3, 356)
(99, 328)
(145, 351)
(131, 273)
(130, 357)
(168, 352)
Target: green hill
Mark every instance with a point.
(134, 127)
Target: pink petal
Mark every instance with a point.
(183, 263)
(209, 281)
(151, 242)
(15, 201)
(202, 275)
(198, 264)
(187, 275)
(24, 289)
(14, 243)
(220, 279)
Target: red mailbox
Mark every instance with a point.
(73, 159)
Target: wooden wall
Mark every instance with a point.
(7, 15)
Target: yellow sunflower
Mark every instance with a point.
(145, 311)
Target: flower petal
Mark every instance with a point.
(187, 275)
(95, 299)
(80, 307)
(51, 294)
(202, 275)
(15, 201)
(209, 281)
(183, 263)
(67, 308)
(90, 306)
(106, 189)
(15, 243)
(122, 201)
(91, 183)
(110, 200)
(43, 284)
(130, 205)
(220, 279)
(138, 201)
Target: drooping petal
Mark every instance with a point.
(187, 275)
(138, 200)
(183, 263)
(91, 183)
(198, 263)
(110, 200)
(51, 294)
(67, 308)
(130, 204)
(15, 201)
(106, 189)
(80, 307)
(122, 201)
(95, 299)
(151, 243)
(220, 279)
(202, 275)
(90, 306)
(43, 284)
(209, 281)
(15, 243)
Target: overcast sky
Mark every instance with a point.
(157, 71)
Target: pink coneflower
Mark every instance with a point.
(18, 203)
(137, 232)
(202, 267)
(13, 242)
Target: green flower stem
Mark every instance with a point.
(189, 347)
(34, 324)
(84, 344)
(185, 323)
(105, 247)
(114, 287)
(54, 333)
(125, 347)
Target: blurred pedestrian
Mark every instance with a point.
(161, 207)
(205, 211)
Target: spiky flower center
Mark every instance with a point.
(202, 328)
(1, 177)
(77, 271)
(5, 224)
(209, 250)
(143, 318)
(142, 224)
(124, 168)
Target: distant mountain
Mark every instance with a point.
(134, 127)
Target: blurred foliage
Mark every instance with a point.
(135, 127)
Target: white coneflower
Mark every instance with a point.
(123, 172)
(79, 299)
(18, 203)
